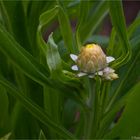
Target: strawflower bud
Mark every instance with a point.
(91, 59)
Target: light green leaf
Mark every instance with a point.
(133, 27)
(6, 137)
(110, 48)
(118, 21)
(66, 29)
(52, 57)
(42, 136)
(130, 117)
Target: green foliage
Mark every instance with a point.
(131, 112)
(41, 97)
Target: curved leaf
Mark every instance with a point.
(93, 22)
(65, 29)
(53, 58)
(22, 58)
(118, 21)
(35, 110)
(130, 117)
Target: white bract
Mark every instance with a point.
(92, 61)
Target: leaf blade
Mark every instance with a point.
(34, 109)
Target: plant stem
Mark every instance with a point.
(95, 113)
(103, 103)
(104, 95)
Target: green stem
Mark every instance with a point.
(95, 113)
(103, 103)
(90, 115)
(104, 95)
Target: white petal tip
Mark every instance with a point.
(109, 59)
(100, 73)
(73, 57)
(74, 67)
(91, 76)
(81, 74)
(108, 70)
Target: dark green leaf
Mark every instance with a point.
(22, 58)
(94, 20)
(129, 118)
(44, 19)
(35, 110)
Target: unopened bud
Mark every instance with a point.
(91, 59)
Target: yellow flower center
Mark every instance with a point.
(90, 45)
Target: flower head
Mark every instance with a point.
(92, 61)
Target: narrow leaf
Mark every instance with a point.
(93, 22)
(131, 112)
(44, 19)
(52, 56)
(118, 21)
(66, 29)
(35, 110)
(22, 58)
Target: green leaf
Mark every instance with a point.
(117, 17)
(68, 116)
(4, 115)
(66, 29)
(127, 78)
(22, 59)
(82, 18)
(24, 125)
(51, 95)
(5, 18)
(118, 21)
(110, 115)
(42, 136)
(58, 76)
(133, 27)
(94, 20)
(44, 19)
(35, 110)
(110, 48)
(99, 39)
(6, 137)
(54, 61)
(34, 9)
(130, 117)
(17, 21)
(52, 56)
(3, 105)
